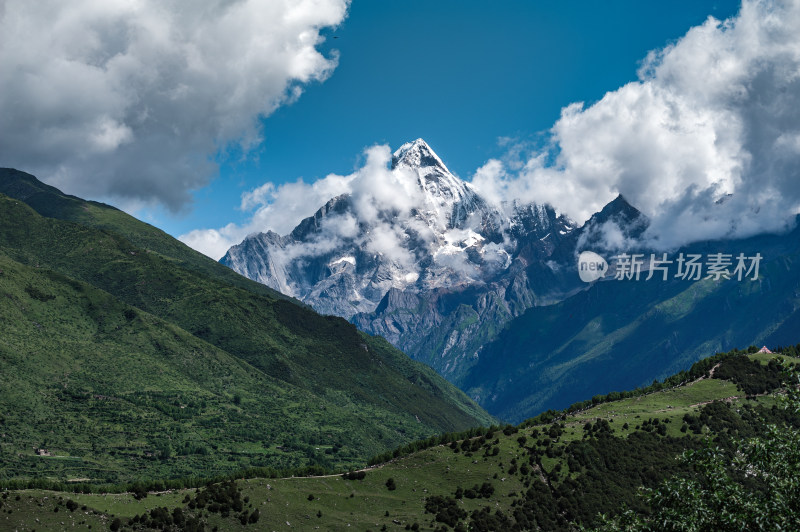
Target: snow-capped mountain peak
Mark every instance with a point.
(417, 154)
(447, 197)
(358, 246)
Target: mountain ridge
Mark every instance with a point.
(461, 321)
(454, 237)
(482, 265)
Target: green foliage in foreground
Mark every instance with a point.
(553, 475)
(758, 489)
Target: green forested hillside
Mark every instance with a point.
(555, 472)
(126, 356)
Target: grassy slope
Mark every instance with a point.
(329, 384)
(136, 263)
(362, 505)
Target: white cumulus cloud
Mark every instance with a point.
(132, 99)
(714, 116)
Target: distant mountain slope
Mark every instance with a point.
(623, 334)
(435, 242)
(527, 334)
(448, 328)
(308, 364)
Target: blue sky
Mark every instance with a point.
(458, 74)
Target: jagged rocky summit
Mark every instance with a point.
(437, 278)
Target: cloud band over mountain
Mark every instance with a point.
(706, 142)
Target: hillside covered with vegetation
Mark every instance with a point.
(126, 356)
(560, 471)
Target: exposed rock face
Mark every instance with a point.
(460, 268)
